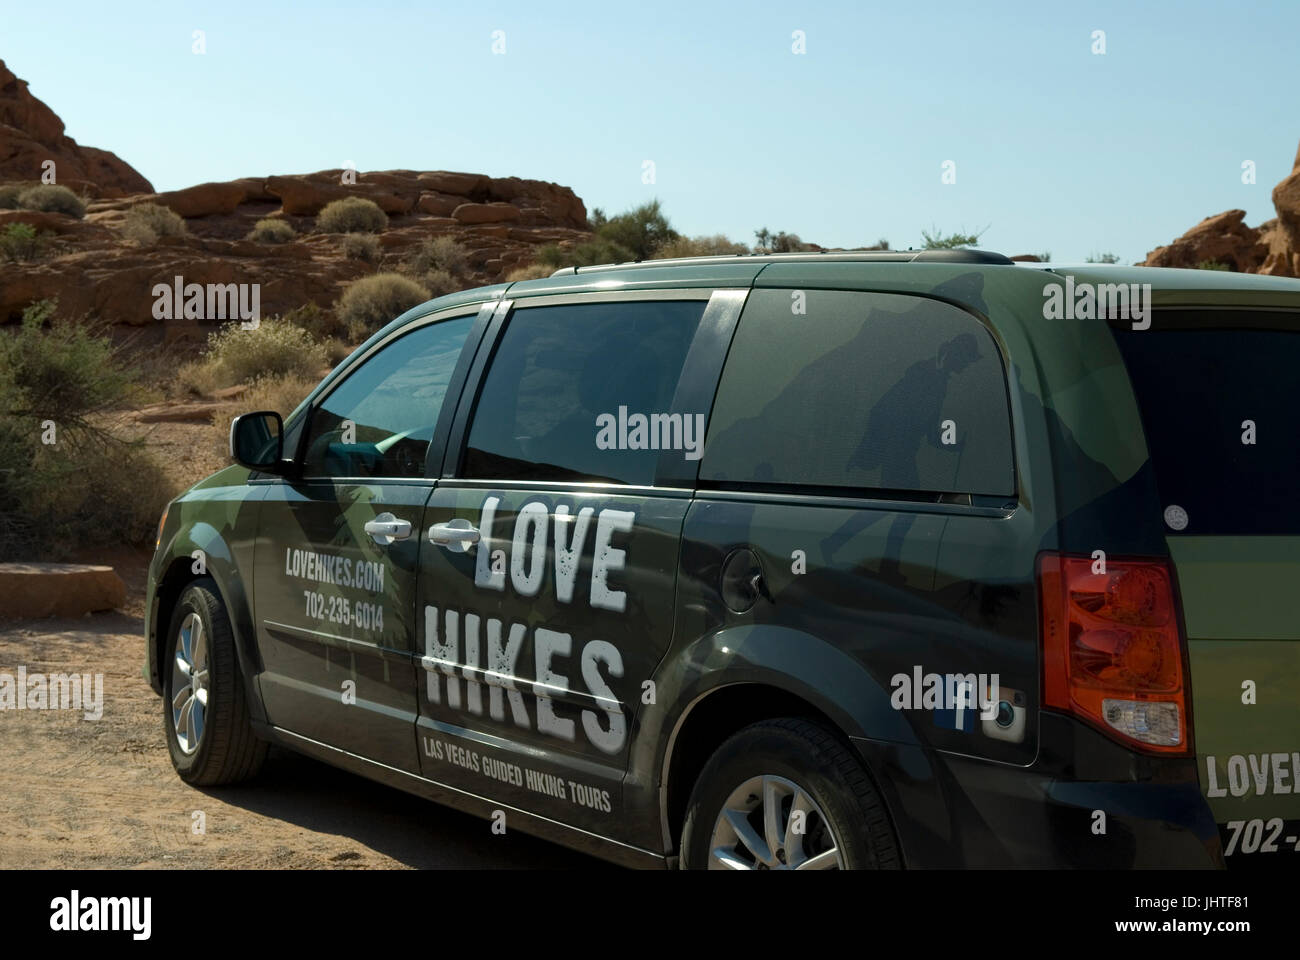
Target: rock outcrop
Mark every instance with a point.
(1272, 248)
(29, 590)
(95, 271)
(31, 133)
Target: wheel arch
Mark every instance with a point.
(179, 573)
(716, 715)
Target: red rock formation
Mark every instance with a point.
(1272, 248)
(31, 133)
(93, 270)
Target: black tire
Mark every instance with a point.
(228, 750)
(821, 765)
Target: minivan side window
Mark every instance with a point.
(567, 384)
(863, 392)
(379, 421)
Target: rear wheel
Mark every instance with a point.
(205, 710)
(786, 795)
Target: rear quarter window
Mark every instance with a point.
(876, 393)
(1220, 406)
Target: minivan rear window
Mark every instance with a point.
(867, 393)
(1220, 408)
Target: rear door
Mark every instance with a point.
(1220, 408)
(548, 568)
(338, 549)
(859, 455)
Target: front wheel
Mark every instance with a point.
(205, 710)
(786, 795)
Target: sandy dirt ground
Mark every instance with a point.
(102, 793)
(79, 793)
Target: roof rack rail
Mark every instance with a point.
(959, 255)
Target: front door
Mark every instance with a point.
(338, 552)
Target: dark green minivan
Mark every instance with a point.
(777, 562)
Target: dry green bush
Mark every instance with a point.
(711, 246)
(145, 223)
(234, 355)
(585, 254)
(370, 302)
(440, 283)
(438, 253)
(51, 198)
(321, 322)
(279, 393)
(271, 230)
(361, 246)
(336, 351)
(87, 487)
(20, 242)
(351, 215)
(531, 271)
(9, 193)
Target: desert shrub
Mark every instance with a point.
(9, 193)
(95, 492)
(765, 241)
(60, 369)
(361, 246)
(274, 348)
(1101, 258)
(197, 378)
(1212, 265)
(319, 321)
(145, 223)
(279, 393)
(440, 283)
(87, 487)
(20, 241)
(370, 302)
(642, 230)
(716, 245)
(584, 254)
(52, 198)
(439, 253)
(531, 271)
(271, 230)
(436, 264)
(336, 351)
(637, 234)
(351, 215)
(932, 239)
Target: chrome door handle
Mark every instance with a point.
(456, 535)
(386, 528)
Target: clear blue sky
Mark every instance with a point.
(1055, 148)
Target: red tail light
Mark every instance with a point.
(1112, 652)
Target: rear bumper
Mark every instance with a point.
(1085, 803)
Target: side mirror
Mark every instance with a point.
(256, 440)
